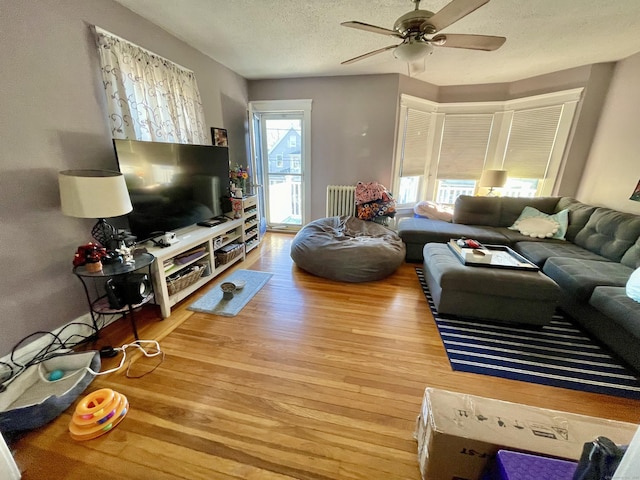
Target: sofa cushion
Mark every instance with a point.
(512, 207)
(618, 307)
(424, 230)
(514, 236)
(470, 210)
(631, 257)
(609, 233)
(579, 214)
(577, 278)
(538, 252)
(498, 211)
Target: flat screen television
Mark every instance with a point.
(172, 185)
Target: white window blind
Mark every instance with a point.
(526, 136)
(464, 146)
(415, 143)
(531, 141)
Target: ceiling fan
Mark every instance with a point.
(418, 28)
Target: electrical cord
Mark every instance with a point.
(57, 345)
(154, 351)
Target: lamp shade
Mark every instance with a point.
(93, 194)
(493, 178)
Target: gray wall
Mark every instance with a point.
(53, 119)
(613, 167)
(353, 122)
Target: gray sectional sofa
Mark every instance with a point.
(591, 266)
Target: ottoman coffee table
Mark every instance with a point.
(500, 294)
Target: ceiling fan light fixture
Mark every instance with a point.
(412, 50)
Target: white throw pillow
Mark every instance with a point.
(533, 223)
(538, 227)
(633, 286)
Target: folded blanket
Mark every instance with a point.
(433, 211)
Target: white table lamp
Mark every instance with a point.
(95, 194)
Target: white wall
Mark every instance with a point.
(53, 118)
(613, 166)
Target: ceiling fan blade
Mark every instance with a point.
(371, 28)
(474, 42)
(374, 52)
(453, 12)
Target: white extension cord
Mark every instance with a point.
(137, 344)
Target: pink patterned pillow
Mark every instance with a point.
(368, 192)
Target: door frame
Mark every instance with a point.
(279, 107)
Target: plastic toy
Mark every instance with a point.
(97, 414)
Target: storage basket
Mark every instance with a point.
(226, 257)
(174, 285)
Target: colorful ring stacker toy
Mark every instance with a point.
(97, 414)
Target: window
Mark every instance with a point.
(444, 148)
(449, 190)
(293, 141)
(148, 97)
(520, 187)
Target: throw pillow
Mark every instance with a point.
(633, 286)
(433, 211)
(549, 226)
(378, 208)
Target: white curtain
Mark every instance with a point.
(149, 97)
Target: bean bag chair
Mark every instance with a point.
(347, 249)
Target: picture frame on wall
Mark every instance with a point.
(636, 193)
(219, 137)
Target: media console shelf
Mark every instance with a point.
(247, 209)
(187, 265)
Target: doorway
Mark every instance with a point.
(280, 154)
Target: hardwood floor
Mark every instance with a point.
(314, 379)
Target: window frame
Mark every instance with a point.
(498, 142)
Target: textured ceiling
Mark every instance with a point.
(261, 39)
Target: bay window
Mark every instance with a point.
(443, 148)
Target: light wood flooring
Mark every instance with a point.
(314, 379)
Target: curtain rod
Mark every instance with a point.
(97, 29)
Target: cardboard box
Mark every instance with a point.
(458, 434)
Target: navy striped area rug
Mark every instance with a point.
(558, 354)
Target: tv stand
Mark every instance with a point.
(185, 266)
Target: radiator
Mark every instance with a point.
(341, 200)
